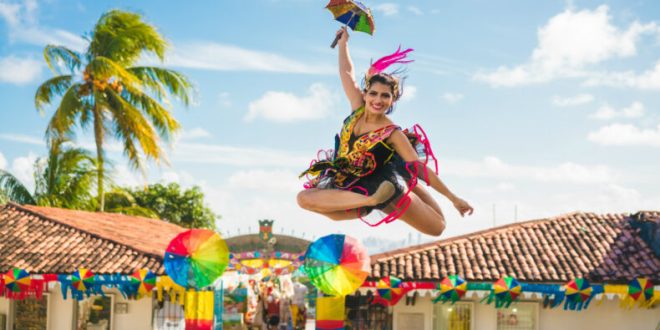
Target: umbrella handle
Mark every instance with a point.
(334, 43)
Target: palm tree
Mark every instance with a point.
(65, 178)
(104, 88)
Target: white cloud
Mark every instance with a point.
(3, 161)
(224, 99)
(201, 153)
(23, 169)
(409, 93)
(286, 107)
(606, 112)
(415, 10)
(19, 70)
(568, 172)
(268, 180)
(123, 176)
(23, 139)
(626, 135)
(452, 97)
(648, 80)
(388, 9)
(572, 101)
(501, 187)
(24, 27)
(194, 133)
(222, 57)
(568, 44)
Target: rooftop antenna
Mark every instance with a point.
(493, 215)
(515, 213)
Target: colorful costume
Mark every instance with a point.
(361, 163)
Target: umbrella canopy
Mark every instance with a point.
(337, 264)
(390, 289)
(17, 280)
(452, 288)
(353, 14)
(82, 279)
(578, 290)
(196, 258)
(640, 289)
(507, 289)
(143, 281)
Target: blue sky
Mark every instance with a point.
(534, 108)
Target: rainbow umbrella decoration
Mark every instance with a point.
(17, 280)
(196, 258)
(353, 14)
(143, 281)
(506, 290)
(578, 294)
(390, 289)
(452, 288)
(640, 289)
(337, 264)
(82, 279)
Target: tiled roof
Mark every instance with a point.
(598, 247)
(52, 240)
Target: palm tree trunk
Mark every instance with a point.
(98, 136)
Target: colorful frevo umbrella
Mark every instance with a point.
(452, 288)
(390, 289)
(353, 14)
(506, 290)
(17, 280)
(143, 281)
(82, 279)
(196, 258)
(337, 264)
(578, 294)
(640, 289)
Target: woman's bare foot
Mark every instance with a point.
(383, 193)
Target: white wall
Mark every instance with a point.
(4, 308)
(606, 315)
(422, 305)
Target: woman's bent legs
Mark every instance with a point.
(423, 217)
(331, 200)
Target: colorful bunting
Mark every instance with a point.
(452, 288)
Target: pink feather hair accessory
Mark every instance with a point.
(384, 62)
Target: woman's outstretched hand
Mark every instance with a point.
(463, 207)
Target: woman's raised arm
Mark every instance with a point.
(346, 72)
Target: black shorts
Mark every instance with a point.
(273, 320)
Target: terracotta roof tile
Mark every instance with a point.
(605, 247)
(52, 240)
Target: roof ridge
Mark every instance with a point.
(490, 231)
(52, 219)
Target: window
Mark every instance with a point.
(519, 316)
(31, 314)
(453, 317)
(361, 314)
(95, 313)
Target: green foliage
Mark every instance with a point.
(185, 208)
(64, 179)
(118, 99)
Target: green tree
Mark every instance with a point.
(115, 97)
(66, 178)
(185, 208)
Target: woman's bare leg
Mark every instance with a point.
(422, 216)
(331, 200)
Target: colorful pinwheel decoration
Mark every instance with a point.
(17, 280)
(82, 279)
(452, 288)
(504, 292)
(578, 294)
(640, 289)
(143, 281)
(196, 258)
(390, 290)
(353, 14)
(337, 264)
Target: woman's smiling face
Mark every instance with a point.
(378, 98)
